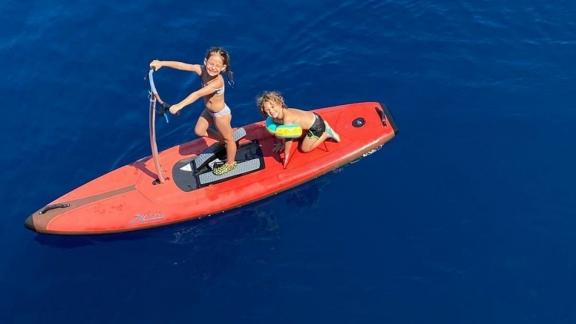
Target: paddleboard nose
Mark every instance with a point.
(29, 223)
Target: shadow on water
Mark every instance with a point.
(189, 255)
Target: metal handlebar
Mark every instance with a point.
(154, 94)
(154, 98)
(152, 85)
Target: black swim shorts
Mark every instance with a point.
(318, 128)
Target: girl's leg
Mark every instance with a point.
(223, 125)
(202, 127)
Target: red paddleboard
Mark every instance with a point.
(133, 197)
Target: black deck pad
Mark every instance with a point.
(208, 154)
(188, 177)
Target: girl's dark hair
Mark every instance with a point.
(226, 58)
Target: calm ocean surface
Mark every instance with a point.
(468, 216)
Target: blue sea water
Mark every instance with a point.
(468, 216)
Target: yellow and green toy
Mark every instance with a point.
(283, 130)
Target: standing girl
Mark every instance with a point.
(216, 112)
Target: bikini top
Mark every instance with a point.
(219, 91)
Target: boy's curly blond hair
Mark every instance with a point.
(269, 96)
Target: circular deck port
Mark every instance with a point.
(358, 122)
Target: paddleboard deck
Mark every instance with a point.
(131, 198)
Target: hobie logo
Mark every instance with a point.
(147, 218)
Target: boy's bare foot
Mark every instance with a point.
(331, 133)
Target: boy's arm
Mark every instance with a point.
(287, 151)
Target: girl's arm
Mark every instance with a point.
(156, 64)
(204, 91)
